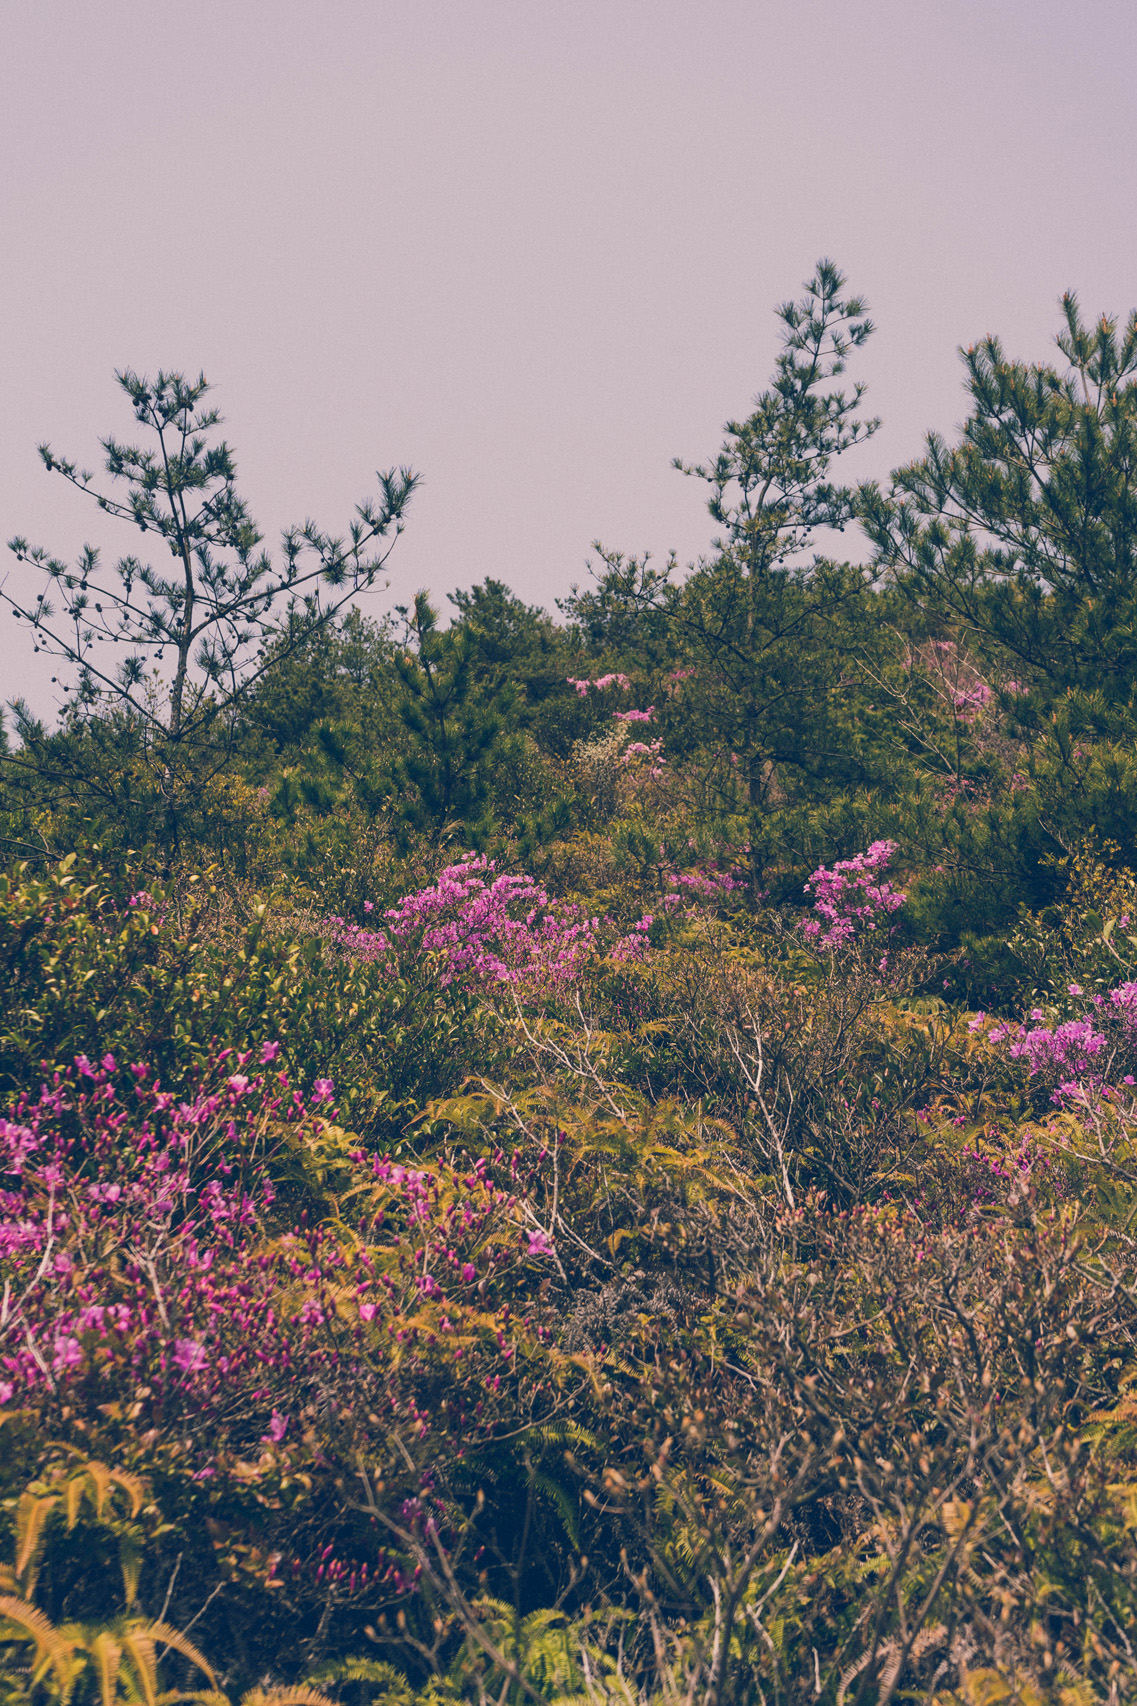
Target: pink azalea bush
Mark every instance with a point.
(688, 893)
(127, 1217)
(144, 1259)
(496, 928)
(1070, 1050)
(854, 898)
(705, 885)
(1080, 1058)
(969, 701)
(650, 752)
(635, 947)
(584, 686)
(505, 929)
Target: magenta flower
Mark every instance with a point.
(68, 1354)
(853, 896)
(584, 685)
(190, 1356)
(500, 929)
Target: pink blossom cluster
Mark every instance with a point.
(686, 892)
(356, 941)
(1080, 1057)
(505, 929)
(635, 716)
(501, 929)
(968, 702)
(161, 1192)
(652, 751)
(853, 896)
(634, 948)
(1068, 1050)
(708, 885)
(674, 681)
(1123, 999)
(584, 686)
(143, 1261)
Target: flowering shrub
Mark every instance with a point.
(1079, 1057)
(650, 752)
(635, 947)
(155, 1289)
(584, 686)
(968, 702)
(853, 897)
(502, 929)
(138, 1251)
(706, 885)
(505, 928)
(146, 1271)
(1068, 1050)
(127, 1217)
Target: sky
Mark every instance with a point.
(529, 247)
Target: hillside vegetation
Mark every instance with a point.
(587, 1159)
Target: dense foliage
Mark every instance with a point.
(589, 1159)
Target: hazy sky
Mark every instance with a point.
(529, 246)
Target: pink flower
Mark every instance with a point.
(469, 1273)
(323, 1090)
(269, 1052)
(189, 1356)
(854, 895)
(368, 1311)
(238, 1083)
(583, 685)
(277, 1428)
(539, 1244)
(68, 1353)
(497, 929)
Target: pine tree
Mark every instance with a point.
(175, 647)
(1024, 534)
(452, 731)
(763, 621)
